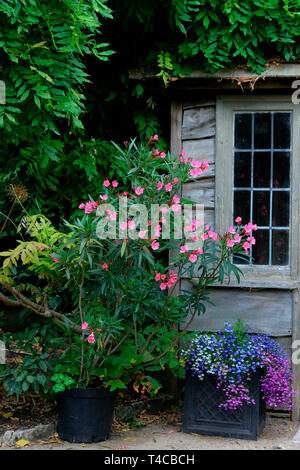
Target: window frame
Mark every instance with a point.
(226, 106)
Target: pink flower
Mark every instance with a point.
(104, 197)
(251, 240)
(91, 338)
(105, 266)
(139, 190)
(54, 258)
(84, 325)
(237, 238)
(238, 220)
(193, 258)
(131, 224)
(159, 185)
(212, 234)
(123, 226)
(155, 245)
(176, 199)
(168, 187)
(115, 184)
(157, 276)
(231, 230)
(250, 226)
(205, 165)
(230, 243)
(200, 251)
(142, 234)
(157, 230)
(113, 215)
(183, 249)
(246, 246)
(195, 172)
(164, 210)
(81, 206)
(106, 183)
(175, 180)
(176, 207)
(163, 286)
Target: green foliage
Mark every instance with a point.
(43, 46)
(62, 382)
(31, 358)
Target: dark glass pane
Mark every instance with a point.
(241, 259)
(262, 130)
(261, 169)
(280, 247)
(242, 131)
(261, 207)
(242, 169)
(260, 251)
(281, 170)
(242, 205)
(281, 209)
(282, 130)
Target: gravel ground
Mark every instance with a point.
(278, 434)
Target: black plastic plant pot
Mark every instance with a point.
(202, 414)
(85, 415)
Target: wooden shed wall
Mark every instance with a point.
(273, 311)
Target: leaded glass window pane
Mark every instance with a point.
(262, 156)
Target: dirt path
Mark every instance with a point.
(278, 434)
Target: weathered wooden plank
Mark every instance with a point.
(202, 192)
(176, 148)
(200, 102)
(199, 123)
(176, 125)
(259, 283)
(286, 344)
(209, 217)
(272, 71)
(268, 312)
(204, 149)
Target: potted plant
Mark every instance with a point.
(104, 280)
(231, 376)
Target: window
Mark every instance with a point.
(262, 151)
(257, 168)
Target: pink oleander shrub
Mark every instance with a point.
(118, 263)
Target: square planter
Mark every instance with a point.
(203, 416)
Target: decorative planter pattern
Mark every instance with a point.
(85, 415)
(203, 416)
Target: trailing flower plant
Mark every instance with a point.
(121, 325)
(233, 356)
